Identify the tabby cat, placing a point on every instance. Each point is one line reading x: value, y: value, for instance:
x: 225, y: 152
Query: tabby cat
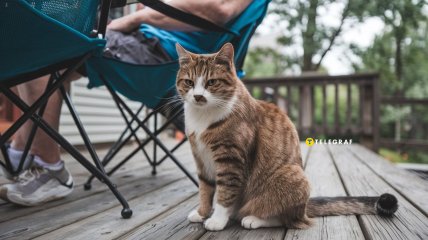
x: 247, y: 153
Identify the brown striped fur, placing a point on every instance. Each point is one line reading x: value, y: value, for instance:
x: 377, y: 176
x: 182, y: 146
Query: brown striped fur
x: 246, y: 150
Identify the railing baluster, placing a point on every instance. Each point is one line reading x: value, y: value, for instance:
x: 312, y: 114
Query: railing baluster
x: 348, y: 109
x: 275, y: 94
x: 288, y: 103
x: 324, y: 108
x: 336, y: 108
x: 362, y: 94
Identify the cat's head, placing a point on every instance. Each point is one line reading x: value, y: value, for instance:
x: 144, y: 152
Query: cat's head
x: 206, y: 80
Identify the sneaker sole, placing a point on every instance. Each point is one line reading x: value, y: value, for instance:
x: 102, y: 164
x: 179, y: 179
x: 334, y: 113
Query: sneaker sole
x: 59, y: 193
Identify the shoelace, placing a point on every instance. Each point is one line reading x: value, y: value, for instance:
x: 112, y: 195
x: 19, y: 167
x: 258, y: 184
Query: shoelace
x: 29, y: 174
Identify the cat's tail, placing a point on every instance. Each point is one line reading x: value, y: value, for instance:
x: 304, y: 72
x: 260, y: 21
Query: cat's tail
x: 384, y: 205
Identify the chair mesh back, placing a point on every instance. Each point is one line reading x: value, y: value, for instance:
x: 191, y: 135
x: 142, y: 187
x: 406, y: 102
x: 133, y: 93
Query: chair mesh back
x: 77, y: 14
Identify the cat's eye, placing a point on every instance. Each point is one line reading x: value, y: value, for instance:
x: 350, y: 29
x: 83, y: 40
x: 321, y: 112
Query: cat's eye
x: 211, y: 82
x: 188, y: 82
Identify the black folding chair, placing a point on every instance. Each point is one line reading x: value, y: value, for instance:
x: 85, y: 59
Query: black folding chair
x: 40, y: 37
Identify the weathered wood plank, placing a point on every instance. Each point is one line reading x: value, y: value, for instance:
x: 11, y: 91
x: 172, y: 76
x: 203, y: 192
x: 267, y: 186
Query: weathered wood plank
x: 305, y: 151
x: 359, y: 180
x: 409, y: 185
x: 122, y: 177
x: 172, y: 224
x: 326, y: 183
x: 236, y: 232
x: 41, y: 222
x: 109, y: 224
x: 11, y: 211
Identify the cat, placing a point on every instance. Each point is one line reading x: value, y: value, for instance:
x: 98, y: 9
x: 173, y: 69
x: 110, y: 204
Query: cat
x: 247, y: 153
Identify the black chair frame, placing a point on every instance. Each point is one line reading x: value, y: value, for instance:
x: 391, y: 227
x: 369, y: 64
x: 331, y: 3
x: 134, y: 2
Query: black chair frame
x: 130, y: 132
x: 35, y: 112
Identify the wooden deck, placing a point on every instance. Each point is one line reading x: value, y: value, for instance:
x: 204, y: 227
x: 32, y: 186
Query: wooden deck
x: 161, y: 203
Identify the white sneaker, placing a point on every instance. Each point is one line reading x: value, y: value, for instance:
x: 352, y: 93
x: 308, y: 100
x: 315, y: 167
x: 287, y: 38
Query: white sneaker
x: 38, y: 185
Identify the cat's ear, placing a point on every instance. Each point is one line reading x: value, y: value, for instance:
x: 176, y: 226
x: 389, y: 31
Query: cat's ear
x: 184, y: 56
x: 225, y: 55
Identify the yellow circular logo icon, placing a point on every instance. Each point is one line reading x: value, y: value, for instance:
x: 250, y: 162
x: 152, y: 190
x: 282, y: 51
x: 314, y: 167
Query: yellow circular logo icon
x: 310, y: 141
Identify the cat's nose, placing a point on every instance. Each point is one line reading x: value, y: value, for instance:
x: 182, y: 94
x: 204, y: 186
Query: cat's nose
x: 199, y: 98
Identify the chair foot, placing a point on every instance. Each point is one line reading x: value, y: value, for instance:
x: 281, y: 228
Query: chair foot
x: 87, y: 186
x: 126, y: 213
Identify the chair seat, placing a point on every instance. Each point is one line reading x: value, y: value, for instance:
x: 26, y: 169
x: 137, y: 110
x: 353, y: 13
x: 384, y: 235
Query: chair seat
x: 142, y: 83
x: 148, y: 84
x: 38, y: 33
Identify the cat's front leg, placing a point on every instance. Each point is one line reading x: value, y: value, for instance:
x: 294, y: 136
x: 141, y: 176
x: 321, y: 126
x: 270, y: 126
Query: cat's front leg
x: 206, y: 194
x: 229, y: 183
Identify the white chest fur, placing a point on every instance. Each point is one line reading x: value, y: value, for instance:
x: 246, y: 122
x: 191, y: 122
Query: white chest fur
x: 207, y: 159
x: 197, y: 120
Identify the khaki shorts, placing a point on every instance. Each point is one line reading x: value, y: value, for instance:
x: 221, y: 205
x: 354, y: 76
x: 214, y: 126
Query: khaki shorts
x: 135, y: 48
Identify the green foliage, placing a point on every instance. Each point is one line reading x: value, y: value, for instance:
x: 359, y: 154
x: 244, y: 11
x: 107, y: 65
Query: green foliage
x: 400, y: 55
x: 303, y: 27
x: 262, y: 62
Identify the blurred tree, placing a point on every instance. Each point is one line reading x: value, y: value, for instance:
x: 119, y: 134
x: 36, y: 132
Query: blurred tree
x: 305, y: 28
x: 401, y: 18
x: 255, y: 62
x: 404, y: 41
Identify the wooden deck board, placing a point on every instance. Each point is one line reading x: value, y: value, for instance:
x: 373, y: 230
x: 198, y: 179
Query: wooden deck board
x: 326, y: 183
x: 407, y: 223
x: 172, y: 224
x: 161, y: 203
x: 412, y: 187
x: 108, y: 224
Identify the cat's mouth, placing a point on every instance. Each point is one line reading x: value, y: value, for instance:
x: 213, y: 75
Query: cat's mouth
x: 200, y: 103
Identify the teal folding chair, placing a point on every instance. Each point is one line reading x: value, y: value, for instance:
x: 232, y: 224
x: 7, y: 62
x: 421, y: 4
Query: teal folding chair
x: 152, y: 84
x: 40, y: 37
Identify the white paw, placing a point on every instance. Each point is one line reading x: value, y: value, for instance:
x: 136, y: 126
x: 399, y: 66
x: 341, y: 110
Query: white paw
x: 195, y: 217
x: 252, y: 222
x: 215, y: 224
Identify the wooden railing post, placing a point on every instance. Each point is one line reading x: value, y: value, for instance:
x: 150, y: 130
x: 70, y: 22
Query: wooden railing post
x: 369, y: 104
x: 376, y: 113
x: 305, y: 110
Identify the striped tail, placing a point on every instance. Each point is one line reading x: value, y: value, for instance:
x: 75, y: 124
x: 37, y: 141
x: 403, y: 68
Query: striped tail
x: 384, y: 205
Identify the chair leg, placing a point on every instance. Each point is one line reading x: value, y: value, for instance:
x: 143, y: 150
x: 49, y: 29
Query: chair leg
x: 155, y: 126
x: 82, y: 131
x: 33, y: 129
x: 126, y: 211
x: 173, y: 150
x: 118, y: 146
x: 152, y: 136
x: 40, y: 101
x: 7, y: 164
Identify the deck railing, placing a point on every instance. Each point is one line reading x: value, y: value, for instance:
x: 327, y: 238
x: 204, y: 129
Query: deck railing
x: 406, y: 143
x: 326, y: 106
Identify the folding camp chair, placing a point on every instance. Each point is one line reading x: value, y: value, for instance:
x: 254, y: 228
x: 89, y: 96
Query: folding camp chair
x: 40, y: 37
x: 152, y: 84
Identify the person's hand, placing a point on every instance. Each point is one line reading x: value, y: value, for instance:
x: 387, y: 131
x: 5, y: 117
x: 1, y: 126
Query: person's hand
x: 124, y: 24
